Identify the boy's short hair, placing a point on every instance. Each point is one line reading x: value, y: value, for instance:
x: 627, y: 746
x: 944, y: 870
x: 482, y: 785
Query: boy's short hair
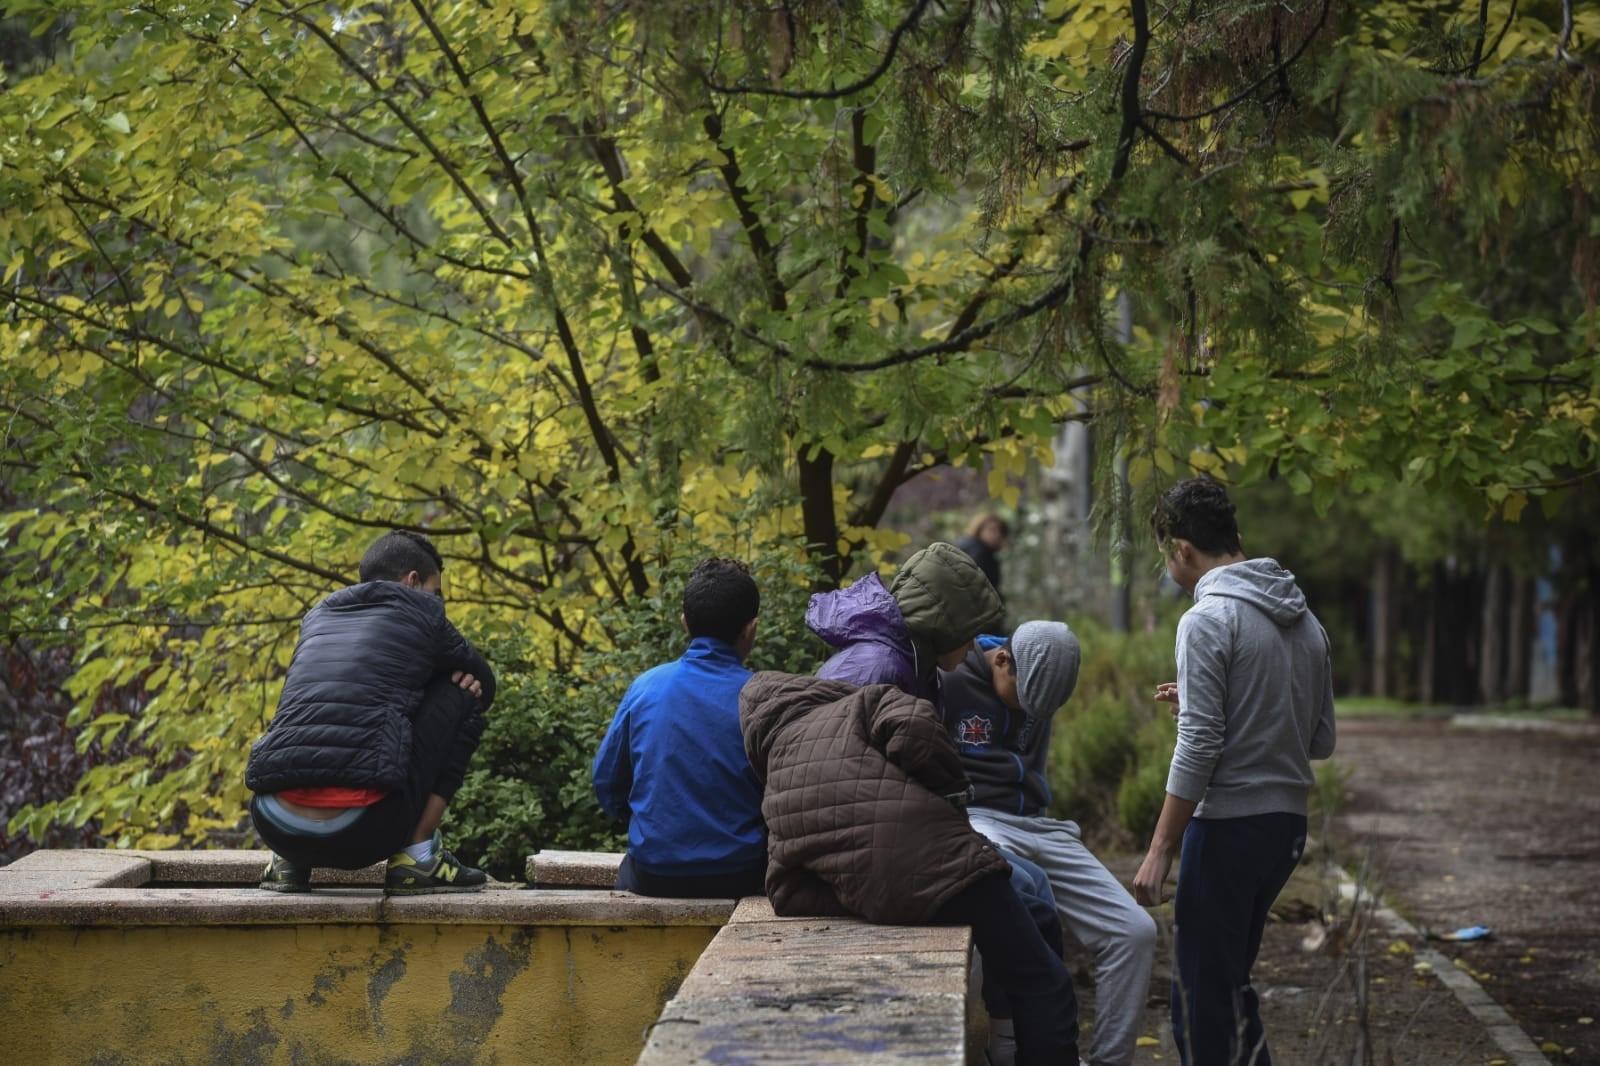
x: 394, y: 555
x: 1199, y: 511
x: 719, y: 599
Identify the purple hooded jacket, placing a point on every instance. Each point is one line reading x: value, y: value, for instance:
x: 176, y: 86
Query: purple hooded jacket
x: 875, y: 647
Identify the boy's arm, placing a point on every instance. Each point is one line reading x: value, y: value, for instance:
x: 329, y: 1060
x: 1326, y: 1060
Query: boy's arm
x: 613, y: 767
x: 1204, y: 644
x: 1326, y: 734
x: 456, y: 653
x: 909, y: 733
x: 1152, y: 875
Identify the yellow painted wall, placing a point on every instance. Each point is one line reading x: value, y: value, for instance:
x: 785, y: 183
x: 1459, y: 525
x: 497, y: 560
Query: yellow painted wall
x: 338, y: 993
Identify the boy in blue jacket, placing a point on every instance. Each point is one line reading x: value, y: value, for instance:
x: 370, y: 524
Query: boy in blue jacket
x: 672, y: 765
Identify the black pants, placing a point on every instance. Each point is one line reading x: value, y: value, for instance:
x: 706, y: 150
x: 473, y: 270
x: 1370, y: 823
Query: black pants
x: 1231, y: 871
x: 1026, y: 969
x: 442, y: 735
x: 734, y: 885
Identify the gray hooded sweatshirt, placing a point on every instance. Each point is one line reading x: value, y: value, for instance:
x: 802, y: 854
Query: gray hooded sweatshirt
x: 1255, y: 694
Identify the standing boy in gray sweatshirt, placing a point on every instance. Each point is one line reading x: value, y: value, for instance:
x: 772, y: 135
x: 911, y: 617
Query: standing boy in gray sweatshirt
x: 1254, y: 700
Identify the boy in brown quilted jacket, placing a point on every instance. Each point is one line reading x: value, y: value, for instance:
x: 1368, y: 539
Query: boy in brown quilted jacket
x: 858, y: 790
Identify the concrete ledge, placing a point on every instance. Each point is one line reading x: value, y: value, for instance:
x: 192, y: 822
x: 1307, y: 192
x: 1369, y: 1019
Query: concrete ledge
x: 818, y: 990
x: 74, y: 869
x: 34, y: 906
x: 239, y: 867
x: 573, y: 869
x: 758, y: 909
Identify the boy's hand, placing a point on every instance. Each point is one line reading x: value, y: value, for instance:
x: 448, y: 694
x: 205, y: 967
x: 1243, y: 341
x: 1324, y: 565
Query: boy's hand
x: 1151, y: 879
x: 467, y: 682
x: 1167, y: 692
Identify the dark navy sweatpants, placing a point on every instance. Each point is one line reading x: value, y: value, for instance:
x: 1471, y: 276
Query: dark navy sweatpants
x: 1231, y: 871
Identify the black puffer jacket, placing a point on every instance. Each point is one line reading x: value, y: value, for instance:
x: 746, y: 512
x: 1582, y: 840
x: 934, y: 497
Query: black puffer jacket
x: 344, y: 718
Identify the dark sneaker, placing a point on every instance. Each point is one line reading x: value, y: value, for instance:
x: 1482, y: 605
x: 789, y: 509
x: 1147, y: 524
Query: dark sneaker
x: 281, y: 875
x: 406, y: 876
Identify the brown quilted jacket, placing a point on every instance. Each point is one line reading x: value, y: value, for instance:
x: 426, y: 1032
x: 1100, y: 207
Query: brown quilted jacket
x: 855, y: 786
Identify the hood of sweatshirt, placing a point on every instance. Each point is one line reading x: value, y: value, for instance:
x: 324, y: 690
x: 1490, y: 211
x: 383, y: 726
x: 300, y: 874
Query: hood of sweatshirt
x: 863, y: 612
x: 945, y: 599
x: 1261, y: 583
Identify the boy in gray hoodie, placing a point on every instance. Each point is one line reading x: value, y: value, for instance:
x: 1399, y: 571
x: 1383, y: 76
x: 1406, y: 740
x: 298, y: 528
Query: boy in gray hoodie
x: 1254, y: 704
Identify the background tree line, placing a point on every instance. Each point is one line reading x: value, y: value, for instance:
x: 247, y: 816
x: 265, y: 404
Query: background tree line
x: 583, y: 292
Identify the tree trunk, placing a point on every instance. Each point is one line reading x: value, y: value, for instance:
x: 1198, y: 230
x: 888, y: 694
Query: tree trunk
x: 1591, y: 648
x: 1381, y: 606
x: 1492, y: 637
x: 1430, y: 638
x: 1519, y: 637
x: 1567, y: 649
x: 817, y: 513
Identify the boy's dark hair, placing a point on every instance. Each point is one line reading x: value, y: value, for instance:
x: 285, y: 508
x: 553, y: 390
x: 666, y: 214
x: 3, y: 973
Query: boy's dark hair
x: 719, y: 599
x: 394, y: 555
x: 1199, y: 511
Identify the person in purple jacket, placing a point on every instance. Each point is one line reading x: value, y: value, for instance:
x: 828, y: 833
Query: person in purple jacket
x: 926, y: 620
x: 901, y: 635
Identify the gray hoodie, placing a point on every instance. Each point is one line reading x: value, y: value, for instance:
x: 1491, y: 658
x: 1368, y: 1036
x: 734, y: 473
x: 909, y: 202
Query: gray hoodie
x: 1255, y: 694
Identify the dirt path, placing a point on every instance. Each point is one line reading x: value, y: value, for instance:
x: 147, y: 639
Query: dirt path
x: 1496, y: 827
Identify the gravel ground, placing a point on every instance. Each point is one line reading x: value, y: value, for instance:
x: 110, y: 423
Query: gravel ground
x: 1491, y: 825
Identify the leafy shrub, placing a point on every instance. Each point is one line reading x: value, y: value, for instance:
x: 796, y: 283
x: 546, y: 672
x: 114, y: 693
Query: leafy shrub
x: 1143, y: 788
x: 1112, y: 744
x: 1091, y: 749
x: 42, y: 757
x: 530, y: 787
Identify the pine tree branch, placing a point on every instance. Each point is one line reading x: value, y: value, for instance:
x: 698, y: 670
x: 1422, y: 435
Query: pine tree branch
x: 1250, y: 89
x: 866, y: 82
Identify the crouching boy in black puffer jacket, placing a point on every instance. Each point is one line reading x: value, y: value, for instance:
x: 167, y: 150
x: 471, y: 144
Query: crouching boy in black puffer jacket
x: 379, y: 716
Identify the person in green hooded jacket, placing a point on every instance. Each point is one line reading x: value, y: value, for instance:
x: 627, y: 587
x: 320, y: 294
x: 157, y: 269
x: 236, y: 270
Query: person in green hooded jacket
x: 925, y: 620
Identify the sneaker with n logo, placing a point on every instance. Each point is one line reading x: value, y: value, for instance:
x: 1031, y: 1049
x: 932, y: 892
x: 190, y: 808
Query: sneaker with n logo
x: 281, y: 875
x: 405, y: 876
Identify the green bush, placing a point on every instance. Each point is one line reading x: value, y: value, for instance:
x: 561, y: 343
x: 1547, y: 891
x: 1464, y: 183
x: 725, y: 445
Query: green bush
x: 1143, y: 788
x: 1090, y: 751
x: 1112, y: 743
x: 529, y: 787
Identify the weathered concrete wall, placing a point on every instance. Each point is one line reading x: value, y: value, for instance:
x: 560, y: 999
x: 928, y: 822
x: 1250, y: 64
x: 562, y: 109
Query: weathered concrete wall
x: 813, y: 991
x: 338, y: 993
x: 98, y: 966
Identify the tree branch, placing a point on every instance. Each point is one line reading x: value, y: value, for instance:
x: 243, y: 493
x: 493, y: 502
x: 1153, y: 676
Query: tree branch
x: 766, y: 256
x: 895, y: 37
x: 1240, y: 97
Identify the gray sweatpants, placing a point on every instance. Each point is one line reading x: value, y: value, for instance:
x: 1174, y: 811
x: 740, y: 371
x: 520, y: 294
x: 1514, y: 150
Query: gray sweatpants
x: 1098, y: 913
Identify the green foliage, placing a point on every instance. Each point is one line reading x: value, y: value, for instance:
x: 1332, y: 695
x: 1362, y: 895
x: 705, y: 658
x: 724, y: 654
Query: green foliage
x: 1112, y: 743
x: 567, y: 286
x: 1327, y: 797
